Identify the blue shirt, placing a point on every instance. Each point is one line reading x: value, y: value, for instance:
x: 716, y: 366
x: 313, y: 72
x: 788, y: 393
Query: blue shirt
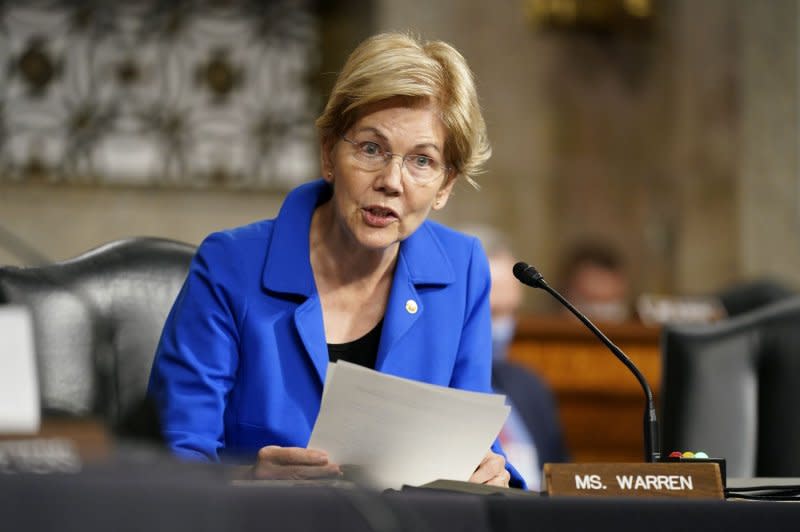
x: 242, y: 359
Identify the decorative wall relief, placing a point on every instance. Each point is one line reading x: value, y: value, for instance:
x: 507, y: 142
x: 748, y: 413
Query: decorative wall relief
x: 178, y: 93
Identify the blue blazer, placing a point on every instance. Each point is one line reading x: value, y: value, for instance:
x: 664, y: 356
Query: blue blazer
x: 242, y: 358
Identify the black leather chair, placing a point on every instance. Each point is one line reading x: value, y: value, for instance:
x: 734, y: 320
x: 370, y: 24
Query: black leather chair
x: 97, y: 319
x: 745, y: 296
x: 732, y: 389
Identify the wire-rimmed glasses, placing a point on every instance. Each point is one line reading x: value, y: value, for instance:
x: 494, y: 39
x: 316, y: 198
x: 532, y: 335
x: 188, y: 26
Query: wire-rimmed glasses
x: 371, y: 157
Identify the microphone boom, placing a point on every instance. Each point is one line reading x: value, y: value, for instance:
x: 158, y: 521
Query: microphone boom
x: 528, y: 275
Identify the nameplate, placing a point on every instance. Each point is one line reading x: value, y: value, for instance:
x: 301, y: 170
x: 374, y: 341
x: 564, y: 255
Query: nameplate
x: 682, y: 480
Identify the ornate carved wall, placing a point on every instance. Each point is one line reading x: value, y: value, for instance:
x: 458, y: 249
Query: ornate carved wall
x: 158, y: 92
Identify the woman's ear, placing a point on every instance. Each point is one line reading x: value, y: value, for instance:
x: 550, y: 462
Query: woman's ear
x: 443, y: 194
x: 326, y: 159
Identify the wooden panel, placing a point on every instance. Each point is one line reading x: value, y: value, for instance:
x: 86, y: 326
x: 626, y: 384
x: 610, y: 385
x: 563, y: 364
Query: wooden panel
x: 90, y: 437
x: 601, y: 404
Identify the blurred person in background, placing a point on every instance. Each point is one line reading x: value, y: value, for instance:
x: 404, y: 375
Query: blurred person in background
x: 595, y: 280
x: 532, y: 434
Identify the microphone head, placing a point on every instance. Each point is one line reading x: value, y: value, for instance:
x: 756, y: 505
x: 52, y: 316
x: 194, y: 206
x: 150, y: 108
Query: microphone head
x: 519, y: 270
x: 528, y: 275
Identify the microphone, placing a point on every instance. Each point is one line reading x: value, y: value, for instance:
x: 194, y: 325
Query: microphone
x: 530, y: 276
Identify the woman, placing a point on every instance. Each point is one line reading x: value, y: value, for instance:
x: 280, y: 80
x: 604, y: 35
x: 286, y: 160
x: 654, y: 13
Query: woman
x: 350, y: 269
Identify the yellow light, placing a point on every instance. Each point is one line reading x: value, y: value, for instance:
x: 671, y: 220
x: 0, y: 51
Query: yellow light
x: 639, y: 8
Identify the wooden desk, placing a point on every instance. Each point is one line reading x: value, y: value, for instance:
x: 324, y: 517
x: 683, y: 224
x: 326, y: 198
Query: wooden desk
x: 601, y: 404
x: 90, y: 436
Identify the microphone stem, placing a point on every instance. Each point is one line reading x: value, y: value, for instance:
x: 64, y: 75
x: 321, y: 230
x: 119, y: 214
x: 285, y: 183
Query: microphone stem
x: 651, y: 445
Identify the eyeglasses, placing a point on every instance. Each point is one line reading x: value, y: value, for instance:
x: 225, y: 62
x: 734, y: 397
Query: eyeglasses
x: 371, y: 157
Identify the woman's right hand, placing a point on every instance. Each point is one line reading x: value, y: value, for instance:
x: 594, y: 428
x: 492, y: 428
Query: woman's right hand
x: 293, y: 463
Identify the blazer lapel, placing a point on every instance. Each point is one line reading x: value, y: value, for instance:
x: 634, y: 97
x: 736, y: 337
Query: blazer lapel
x: 287, y: 273
x: 310, y: 327
x: 287, y: 269
x: 421, y: 261
x: 402, y: 310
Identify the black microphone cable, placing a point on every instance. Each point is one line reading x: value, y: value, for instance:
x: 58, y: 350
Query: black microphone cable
x: 528, y: 275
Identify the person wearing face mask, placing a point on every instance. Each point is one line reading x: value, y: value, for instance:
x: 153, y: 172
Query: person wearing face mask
x: 596, y: 282
x: 532, y: 433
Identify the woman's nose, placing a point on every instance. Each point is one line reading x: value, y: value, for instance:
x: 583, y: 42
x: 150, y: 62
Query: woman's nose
x: 391, y: 178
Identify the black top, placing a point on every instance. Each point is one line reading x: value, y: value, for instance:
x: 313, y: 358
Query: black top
x: 362, y: 351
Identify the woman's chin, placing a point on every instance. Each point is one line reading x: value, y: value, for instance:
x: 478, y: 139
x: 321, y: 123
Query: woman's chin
x: 378, y: 239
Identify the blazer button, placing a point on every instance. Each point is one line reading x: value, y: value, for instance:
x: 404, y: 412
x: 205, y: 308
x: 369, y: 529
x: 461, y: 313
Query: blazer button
x: 411, y: 306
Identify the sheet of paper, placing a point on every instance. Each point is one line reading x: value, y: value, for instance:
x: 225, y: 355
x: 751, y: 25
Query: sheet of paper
x: 19, y: 386
x: 392, y: 431
x: 467, y: 395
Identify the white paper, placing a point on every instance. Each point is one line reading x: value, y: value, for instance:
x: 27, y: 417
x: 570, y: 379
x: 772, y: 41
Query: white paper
x: 19, y: 387
x: 467, y: 395
x: 396, y: 431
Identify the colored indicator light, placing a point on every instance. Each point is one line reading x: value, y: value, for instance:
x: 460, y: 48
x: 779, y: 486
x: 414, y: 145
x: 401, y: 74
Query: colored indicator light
x: 675, y: 454
x: 700, y: 454
x: 688, y: 454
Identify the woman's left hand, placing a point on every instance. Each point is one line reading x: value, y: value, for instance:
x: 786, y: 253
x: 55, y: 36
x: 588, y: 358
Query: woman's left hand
x: 492, y: 471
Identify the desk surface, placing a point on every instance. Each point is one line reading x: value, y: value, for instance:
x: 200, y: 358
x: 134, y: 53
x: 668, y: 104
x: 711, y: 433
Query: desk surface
x: 168, y: 496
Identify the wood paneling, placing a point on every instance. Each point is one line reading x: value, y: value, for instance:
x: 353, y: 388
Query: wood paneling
x: 89, y: 436
x: 601, y: 404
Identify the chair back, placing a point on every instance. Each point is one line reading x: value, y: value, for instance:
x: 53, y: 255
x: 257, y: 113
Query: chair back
x: 97, y: 320
x: 732, y: 389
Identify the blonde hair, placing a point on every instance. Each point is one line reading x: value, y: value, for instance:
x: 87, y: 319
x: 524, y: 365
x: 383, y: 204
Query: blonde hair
x: 391, y: 65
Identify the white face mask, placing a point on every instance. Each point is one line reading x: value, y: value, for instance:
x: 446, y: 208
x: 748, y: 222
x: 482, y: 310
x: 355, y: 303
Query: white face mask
x: 611, y: 311
x: 502, y: 333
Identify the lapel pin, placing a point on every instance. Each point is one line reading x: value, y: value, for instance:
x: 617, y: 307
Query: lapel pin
x: 411, y: 306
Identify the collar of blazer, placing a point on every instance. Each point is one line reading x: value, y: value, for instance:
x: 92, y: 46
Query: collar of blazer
x: 287, y: 268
